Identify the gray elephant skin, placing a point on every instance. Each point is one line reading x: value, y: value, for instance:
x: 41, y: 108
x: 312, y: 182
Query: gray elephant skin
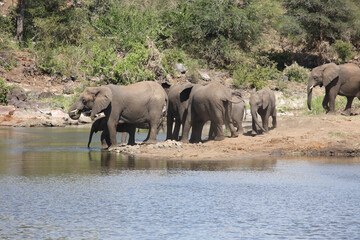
x: 139, y: 103
x: 343, y: 80
x: 238, y: 114
x: 262, y: 102
x: 100, y: 124
x: 177, y: 109
x: 211, y: 102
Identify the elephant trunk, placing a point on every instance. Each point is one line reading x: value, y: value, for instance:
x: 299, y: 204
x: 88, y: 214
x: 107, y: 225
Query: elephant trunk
x: 90, y: 136
x: 311, y: 85
x: 74, y: 113
x: 254, y: 117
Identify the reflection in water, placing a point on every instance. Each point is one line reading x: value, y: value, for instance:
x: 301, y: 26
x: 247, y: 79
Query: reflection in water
x: 53, y: 187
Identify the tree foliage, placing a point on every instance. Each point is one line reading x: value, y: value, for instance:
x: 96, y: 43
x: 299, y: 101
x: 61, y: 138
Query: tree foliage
x: 133, y: 40
x: 314, y: 21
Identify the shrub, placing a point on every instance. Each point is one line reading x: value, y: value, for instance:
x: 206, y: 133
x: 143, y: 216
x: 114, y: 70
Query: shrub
x: 296, y: 73
x: 131, y: 68
x: 251, y: 74
x: 344, y: 50
x: 4, y: 90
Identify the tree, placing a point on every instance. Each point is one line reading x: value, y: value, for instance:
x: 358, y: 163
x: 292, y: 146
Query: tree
x: 20, y: 20
x: 314, y: 21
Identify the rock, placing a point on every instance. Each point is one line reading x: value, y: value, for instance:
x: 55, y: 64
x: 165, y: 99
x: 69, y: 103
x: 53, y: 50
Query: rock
x: 84, y: 119
x: 69, y: 88
x: 16, y: 96
x: 205, y: 76
x: 45, y: 95
x: 180, y: 68
x: 6, y: 110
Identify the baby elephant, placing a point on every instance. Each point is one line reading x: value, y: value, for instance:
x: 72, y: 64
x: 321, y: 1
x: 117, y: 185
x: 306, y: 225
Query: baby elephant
x: 263, y: 103
x: 238, y: 111
x: 101, y: 125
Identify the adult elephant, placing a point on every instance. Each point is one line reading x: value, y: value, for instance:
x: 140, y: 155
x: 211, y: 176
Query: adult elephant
x: 177, y: 109
x: 262, y: 102
x: 343, y: 80
x: 211, y: 102
x: 139, y: 103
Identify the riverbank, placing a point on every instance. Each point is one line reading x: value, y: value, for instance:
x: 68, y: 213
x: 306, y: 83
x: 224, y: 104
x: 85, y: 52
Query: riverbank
x: 320, y: 135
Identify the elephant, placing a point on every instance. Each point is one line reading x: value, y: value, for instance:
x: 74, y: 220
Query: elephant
x: 262, y: 102
x: 238, y: 113
x: 100, y: 124
x: 343, y: 80
x: 138, y: 103
x: 207, y: 102
x: 177, y: 109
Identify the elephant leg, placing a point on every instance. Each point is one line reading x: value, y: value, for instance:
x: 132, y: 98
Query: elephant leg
x: 254, y: 127
x: 169, y: 127
x: 265, y: 121
x: 239, y: 127
x: 196, y: 131
x: 151, y: 139
x: 211, y: 132
x: 186, y: 130
x: 332, y: 96
x: 112, y: 132
x: 347, y: 110
x: 274, y: 123
x: 219, y: 133
x: 175, y: 135
x: 105, y: 140
x: 123, y: 137
x: 325, y: 102
x: 132, y: 131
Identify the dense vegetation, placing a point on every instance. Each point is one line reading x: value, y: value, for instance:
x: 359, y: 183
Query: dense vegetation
x: 125, y: 41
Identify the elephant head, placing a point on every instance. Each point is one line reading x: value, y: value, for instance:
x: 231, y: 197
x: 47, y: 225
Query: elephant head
x: 91, y: 102
x: 258, y: 100
x: 321, y: 76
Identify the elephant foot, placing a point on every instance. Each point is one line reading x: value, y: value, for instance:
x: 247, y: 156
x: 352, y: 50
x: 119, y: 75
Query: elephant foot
x: 150, y: 141
x: 219, y: 138
x: 346, y: 112
x: 184, y: 140
x: 235, y: 135
x: 111, y: 148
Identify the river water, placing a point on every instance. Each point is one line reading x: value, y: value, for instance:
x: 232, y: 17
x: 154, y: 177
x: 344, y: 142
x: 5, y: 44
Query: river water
x: 53, y: 187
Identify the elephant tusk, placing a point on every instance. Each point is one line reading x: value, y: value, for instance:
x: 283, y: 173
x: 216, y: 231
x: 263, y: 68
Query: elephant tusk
x: 74, y: 111
x: 311, y: 87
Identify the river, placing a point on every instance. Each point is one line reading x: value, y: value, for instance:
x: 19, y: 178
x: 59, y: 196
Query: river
x: 53, y: 187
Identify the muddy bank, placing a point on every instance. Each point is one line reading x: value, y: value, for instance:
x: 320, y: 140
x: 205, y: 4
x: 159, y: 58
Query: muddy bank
x: 321, y: 135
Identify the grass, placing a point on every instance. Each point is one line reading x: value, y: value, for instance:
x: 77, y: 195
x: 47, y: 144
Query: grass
x: 340, y: 103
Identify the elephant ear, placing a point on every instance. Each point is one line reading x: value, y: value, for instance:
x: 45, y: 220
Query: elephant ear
x: 330, y: 73
x: 103, y: 98
x: 185, y: 93
x: 265, y: 99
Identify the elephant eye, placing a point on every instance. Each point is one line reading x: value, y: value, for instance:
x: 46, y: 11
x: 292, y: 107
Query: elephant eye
x: 83, y: 101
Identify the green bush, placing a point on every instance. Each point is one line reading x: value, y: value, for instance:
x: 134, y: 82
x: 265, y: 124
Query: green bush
x: 253, y: 75
x: 132, y: 68
x: 296, y: 73
x: 4, y: 90
x: 344, y: 50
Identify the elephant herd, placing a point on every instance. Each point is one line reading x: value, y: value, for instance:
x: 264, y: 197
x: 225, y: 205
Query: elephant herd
x: 190, y: 106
